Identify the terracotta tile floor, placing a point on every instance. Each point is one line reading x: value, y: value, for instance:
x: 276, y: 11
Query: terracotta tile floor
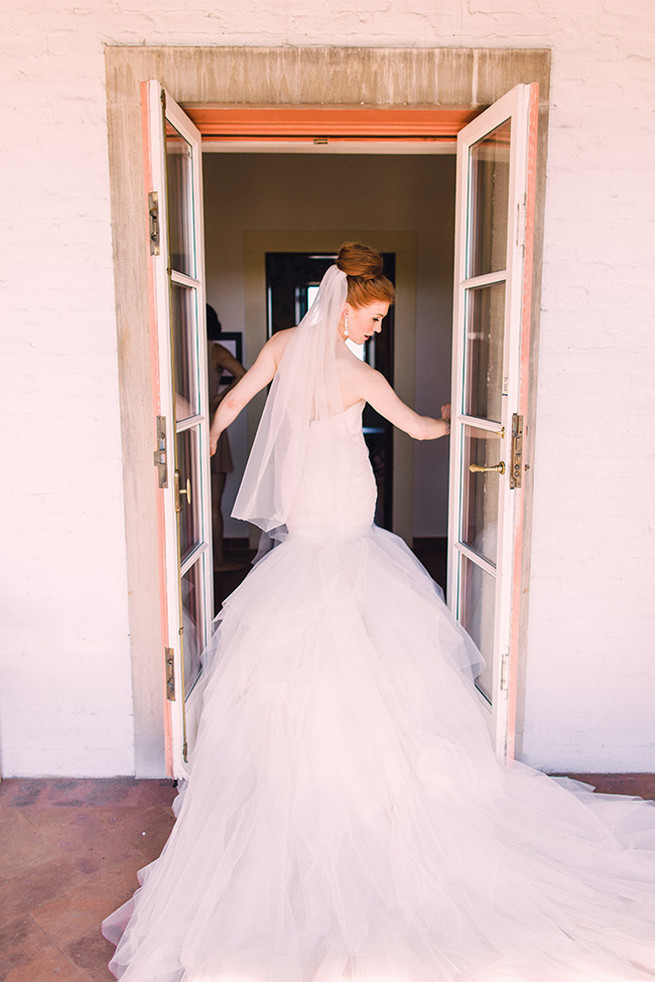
x: 70, y: 851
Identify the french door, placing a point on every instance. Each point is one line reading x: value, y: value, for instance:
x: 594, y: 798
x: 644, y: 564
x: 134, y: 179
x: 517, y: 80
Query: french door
x: 493, y: 253
x: 177, y: 282
x: 493, y: 269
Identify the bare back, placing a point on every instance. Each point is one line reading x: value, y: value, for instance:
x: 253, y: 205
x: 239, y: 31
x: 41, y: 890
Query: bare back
x: 352, y: 372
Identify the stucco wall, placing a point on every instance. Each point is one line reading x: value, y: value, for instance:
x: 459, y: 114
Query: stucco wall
x: 66, y: 703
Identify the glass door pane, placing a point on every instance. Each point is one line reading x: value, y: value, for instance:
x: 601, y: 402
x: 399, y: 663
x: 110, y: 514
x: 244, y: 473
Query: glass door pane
x: 481, y: 493
x: 488, y: 202
x: 184, y: 329
x: 179, y: 187
x: 477, y: 616
x: 189, y: 492
x: 485, y: 337
x: 193, y: 622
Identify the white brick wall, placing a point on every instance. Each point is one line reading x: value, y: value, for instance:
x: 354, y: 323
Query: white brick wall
x: 66, y: 683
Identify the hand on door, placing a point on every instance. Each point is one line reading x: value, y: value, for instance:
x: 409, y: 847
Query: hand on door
x: 445, y: 414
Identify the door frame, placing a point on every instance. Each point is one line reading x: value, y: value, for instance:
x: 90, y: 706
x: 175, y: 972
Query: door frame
x: 518, y: 107
x: 164, y: 275
x: 444, y: 77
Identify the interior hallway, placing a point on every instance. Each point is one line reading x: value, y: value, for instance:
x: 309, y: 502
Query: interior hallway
x: 71, y: 851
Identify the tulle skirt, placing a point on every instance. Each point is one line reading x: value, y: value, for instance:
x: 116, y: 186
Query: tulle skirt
x: 346, y: 818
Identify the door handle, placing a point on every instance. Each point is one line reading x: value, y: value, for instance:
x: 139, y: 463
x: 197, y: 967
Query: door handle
x: 479, y: 469
x: 180, y: 491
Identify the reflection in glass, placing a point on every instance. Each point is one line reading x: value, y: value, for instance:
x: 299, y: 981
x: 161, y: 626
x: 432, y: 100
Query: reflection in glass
x: 485, y: 332
x: 489, y: 164
x: 192, y: 623
x: 481, y: 493
x: 477, y: 605
x: 179, y: 189
x: 185, y: 354
x: 189, y: 514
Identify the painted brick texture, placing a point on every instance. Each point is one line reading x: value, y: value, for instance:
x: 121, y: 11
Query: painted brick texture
x: 66, y: 703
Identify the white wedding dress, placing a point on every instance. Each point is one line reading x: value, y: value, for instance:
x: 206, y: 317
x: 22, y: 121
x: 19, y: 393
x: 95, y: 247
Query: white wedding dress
x: 346, y: 818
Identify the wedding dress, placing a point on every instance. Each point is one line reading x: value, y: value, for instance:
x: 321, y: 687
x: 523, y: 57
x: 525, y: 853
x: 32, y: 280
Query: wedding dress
x: 346, y: 817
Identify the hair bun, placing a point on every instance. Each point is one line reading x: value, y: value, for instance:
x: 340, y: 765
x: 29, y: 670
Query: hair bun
x: 356, y: 259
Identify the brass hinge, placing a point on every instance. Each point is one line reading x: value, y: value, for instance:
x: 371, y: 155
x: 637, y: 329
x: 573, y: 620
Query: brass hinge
x: 516, y: 467
x: 504, y: 670
x: 153, y: 222
x: 159, y: 455
x: 169, y: 657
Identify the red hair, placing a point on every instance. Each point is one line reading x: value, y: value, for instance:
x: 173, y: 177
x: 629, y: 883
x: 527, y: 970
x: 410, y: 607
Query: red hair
x: 366, y: 283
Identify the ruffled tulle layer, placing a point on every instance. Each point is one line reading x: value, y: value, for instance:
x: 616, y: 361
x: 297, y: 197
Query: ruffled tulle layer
x: 346, y: 817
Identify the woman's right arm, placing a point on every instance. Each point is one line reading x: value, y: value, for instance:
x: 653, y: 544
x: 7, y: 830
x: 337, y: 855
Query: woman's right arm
x: 223, y: 361
x: 258, y: 376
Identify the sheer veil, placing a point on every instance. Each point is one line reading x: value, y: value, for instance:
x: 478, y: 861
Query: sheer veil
x: 305, y: 390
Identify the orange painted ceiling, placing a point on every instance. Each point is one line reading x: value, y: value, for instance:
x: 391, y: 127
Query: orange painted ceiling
x: 331, y: 123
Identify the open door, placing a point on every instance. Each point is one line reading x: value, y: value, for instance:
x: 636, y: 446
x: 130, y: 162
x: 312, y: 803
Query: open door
x: 496, y: 156
x: 179, y: 354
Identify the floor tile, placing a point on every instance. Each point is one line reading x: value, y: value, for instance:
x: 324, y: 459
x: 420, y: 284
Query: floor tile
x: 49, y: 965
x: 16, y: 792
x: 37, y: 886
x: 90, y: 836
x: 641, y: 785
x: 80, y: 910
x: 22, y: 844
x: 28, y: 954
x: 145, y: 830
x: 91, y: 955
x: 82, y: 793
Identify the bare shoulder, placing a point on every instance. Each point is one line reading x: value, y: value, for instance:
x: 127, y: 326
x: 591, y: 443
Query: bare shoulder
x: 373, y: 383
x: 277, y: 344
x: 359, y: 371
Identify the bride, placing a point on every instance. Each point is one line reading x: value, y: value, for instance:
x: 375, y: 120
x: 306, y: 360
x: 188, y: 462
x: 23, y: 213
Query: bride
x: 346, y: 818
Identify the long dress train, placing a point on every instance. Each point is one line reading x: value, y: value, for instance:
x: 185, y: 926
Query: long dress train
x: 346, y: 818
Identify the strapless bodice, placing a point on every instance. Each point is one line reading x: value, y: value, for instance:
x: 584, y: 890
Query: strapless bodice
x: 336, y: 493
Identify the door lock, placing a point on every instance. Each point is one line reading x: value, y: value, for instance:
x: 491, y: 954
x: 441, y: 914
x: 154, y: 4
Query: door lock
x: 516, y: 470
x: 169, y: 660
x: 159, y: 456
x: 153, y: 222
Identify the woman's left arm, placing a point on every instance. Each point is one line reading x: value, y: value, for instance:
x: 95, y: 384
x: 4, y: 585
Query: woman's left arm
x: 380, y: 395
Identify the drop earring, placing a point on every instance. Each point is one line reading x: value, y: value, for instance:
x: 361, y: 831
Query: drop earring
x: 345, y: 327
